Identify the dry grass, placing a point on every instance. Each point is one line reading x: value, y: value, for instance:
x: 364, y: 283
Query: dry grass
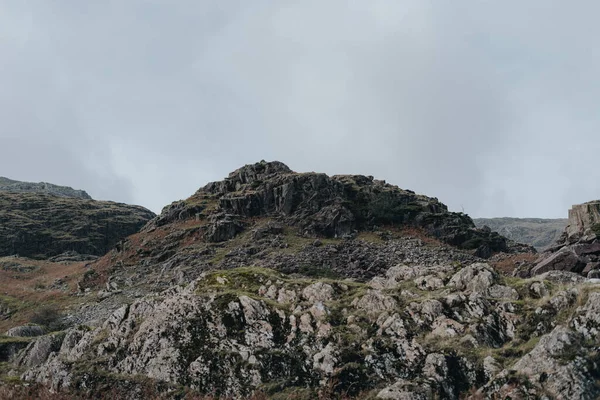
x: 507, y: 263
x: 27, y: 291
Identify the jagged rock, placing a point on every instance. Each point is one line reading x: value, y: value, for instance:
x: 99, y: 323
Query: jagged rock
x: 588, y: 321
x: 318, y: 292
x: 213, y: 336
x: 26, y: 331
x: 563, y: 260
x: 38, y: 225
x: 38, y: 351
x: 9, y: 185
x: 538, y: 289
x: 446, y: 327
x: 223, y: 227
x: 555, y: 364
x: 503, y: 292
x: 429, y: 282
x: 578, y: 249
x: 584, y: 220
x: 337, y: 206
x: 563, y: 277
x: 476, y: 278
x: 491, y: 367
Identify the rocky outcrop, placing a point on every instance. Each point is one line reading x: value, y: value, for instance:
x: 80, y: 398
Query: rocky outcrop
x: 230, y: 333
x: 26, y: 331
x: 578, y: 249
x: 584, y: 222
x: 9, y: 185
x: 318, y: 205
x: 38, y: 225
x: 285, y: 284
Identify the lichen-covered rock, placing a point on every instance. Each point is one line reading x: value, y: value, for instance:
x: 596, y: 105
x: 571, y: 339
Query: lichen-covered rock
x: 230, y: 333
x: 475, y: 278
x: 39, y: 225
x: 556, y: 364
x: 38, y: 351
x: 26, y: 331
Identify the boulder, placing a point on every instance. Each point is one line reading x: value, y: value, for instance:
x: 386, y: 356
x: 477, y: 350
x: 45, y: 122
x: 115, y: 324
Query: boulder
x: 26, y: 331
x: 584, y: 222
x: 563, y: 260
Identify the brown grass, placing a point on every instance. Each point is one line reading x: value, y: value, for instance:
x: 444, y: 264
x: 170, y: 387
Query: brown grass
x: 27, y: 291
x: 507, y: 263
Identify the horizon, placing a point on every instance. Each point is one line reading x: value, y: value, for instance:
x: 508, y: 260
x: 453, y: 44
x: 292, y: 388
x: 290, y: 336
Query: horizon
x: 158, y: 211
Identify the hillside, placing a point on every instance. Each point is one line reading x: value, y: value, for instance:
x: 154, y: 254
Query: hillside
x: 278, y: 284
x: 9, y: 185
x: 537, y: 232
x: 40, y: 225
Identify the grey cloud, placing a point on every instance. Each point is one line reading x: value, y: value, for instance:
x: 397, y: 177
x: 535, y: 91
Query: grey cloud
x: 492, y: 107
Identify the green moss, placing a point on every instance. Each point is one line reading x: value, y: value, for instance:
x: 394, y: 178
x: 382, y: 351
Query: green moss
x: 243, y: 279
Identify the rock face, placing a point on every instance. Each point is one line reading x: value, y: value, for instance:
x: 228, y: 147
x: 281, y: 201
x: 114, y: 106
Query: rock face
x: 39, y: 225
x: 584, y: 222
x: 9, y: 185
x: 536, y: 232
x: 322, y: 206
x: 578, y: 249
x: 230, y: 333
x: 285, y: 285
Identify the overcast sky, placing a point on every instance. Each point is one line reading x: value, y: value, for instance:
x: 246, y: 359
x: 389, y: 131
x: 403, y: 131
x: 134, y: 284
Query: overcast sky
x: 491, y: 106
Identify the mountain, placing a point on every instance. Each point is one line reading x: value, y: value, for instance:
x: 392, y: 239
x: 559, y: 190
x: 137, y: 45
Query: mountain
x: 9, y: 185
x: 44, y: 220
x: 537, y: 232
x: 278, y: 284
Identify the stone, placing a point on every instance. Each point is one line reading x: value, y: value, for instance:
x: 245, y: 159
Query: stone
x: 491, y: 367
x: 538, y: 289
x: 475, y: 278
x: 26, y: 331
x: 594, y: 274
x: 583, y: 220
x: 563, y: 260
x: 38, y: 351
x: 503, y: 292
x: 318, y: 292
x: 429, y: 282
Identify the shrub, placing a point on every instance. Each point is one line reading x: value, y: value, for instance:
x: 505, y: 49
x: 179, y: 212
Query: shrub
x: 48, y: 316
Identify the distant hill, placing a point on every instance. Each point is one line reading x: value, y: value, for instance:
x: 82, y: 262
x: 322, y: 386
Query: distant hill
x: 537, y: 232
x: 42, y: 220
x: 9, y: 185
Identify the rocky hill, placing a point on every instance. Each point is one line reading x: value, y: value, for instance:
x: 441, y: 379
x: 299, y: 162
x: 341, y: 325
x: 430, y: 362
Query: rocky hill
x: 9, y: 185
x: 537, y: 232
x: 578, y: 248
x: 277, y: 284
x: 41, y: 225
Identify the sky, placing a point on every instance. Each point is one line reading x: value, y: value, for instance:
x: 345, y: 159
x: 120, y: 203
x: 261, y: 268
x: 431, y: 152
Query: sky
x: 491, y: 106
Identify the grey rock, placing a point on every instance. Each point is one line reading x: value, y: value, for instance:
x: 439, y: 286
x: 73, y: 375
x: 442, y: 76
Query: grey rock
x: 26, y: 331
x: 9, y: 185
x: 38, y: 351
